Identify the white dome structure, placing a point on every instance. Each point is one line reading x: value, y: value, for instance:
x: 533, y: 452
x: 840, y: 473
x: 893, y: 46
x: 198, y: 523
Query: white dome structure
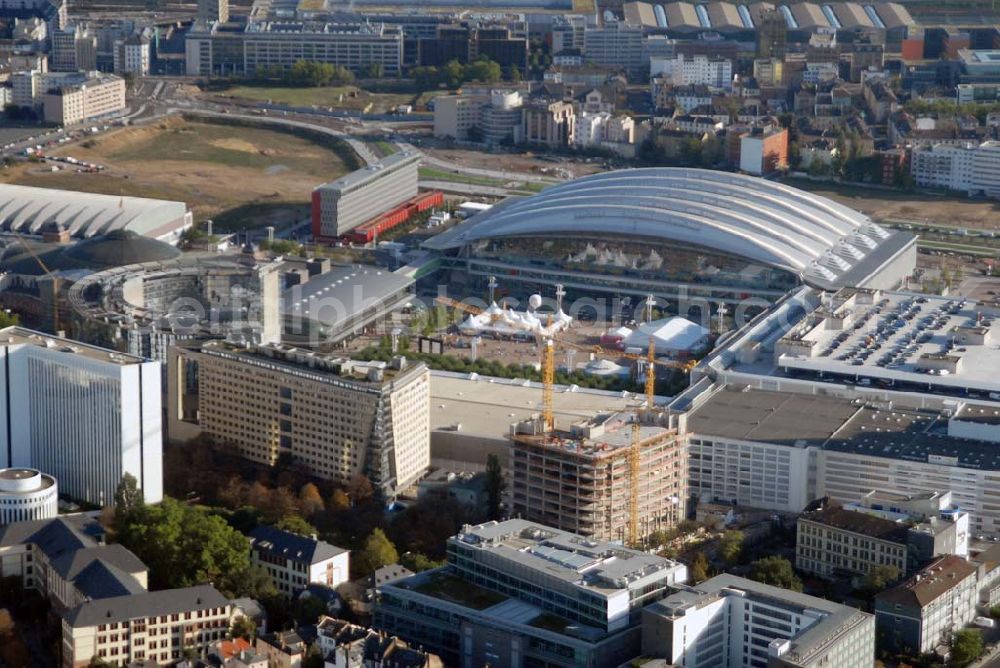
x: 27, y: 494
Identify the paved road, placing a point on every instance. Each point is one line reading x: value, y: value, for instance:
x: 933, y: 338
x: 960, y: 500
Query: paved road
x: 465, y: 188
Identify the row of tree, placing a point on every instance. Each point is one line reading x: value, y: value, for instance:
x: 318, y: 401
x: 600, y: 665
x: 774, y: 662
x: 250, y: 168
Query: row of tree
x: 453, y: 74
x: 305, y: 74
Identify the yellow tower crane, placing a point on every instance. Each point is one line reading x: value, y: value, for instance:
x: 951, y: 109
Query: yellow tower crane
x: 634, y: 452
x: 548, y: 384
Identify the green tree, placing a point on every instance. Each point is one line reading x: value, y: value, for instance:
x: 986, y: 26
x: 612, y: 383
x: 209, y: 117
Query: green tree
x: 128, y: 498
x: 186, y: 545
x: 699, y: 568
x: 730, y: 546
x: 417, y: 562
x: 880, y: 577
x: 425, y: 78
x: 966, y: 647
x: 295, y: 524
x: 243, y: 627
x: 8, y: 319
x: 373, y: 71
x: 377, y: 552
x: 494, y: 486
x: 483, y: 69
x: 453, y: 74
x: 777, y: 571
x: 258, y: 584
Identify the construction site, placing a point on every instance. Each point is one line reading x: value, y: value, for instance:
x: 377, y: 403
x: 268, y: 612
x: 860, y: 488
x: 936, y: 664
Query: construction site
x: 616, y: 477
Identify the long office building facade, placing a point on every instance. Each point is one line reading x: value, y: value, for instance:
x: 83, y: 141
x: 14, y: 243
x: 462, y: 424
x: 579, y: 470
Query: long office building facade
x: 82, y: 414
x: 214, y: 49
x: 779, y: 450
x: 340, y: 206
x: 336, y: 417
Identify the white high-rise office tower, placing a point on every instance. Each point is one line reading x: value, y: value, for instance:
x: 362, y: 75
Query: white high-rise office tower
x: 83, y: 414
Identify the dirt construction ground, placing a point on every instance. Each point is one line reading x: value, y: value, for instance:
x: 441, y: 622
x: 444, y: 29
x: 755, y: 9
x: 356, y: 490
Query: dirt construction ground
x: 905, y: 206
x: 258, y: 176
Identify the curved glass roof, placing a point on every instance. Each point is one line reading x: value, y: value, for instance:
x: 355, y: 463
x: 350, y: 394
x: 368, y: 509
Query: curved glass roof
x: 739, y: 215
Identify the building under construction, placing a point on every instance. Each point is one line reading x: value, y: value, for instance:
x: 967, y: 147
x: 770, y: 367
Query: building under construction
x: 618, y: 476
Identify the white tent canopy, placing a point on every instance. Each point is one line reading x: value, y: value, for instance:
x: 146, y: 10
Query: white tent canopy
x: 675, y: 334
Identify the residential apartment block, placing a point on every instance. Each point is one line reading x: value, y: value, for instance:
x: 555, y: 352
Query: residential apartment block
x: 579, y: 480
x: 733, y: 621
x: 334, y: 416
x: 714, y: 72
x: 516, y: 593
x: 763, y: 150
x: 74, y: 48
x: 346, y: 645
x: 294, y: 561
x: 340, y: 206
x: 602, y: 128
x: 131, y: 55
x: 853, y: 540
x: 551, y: 124
x: 82, y: 414
x: 970, y: 168
x: 83, y: 98
x: 921, y: 614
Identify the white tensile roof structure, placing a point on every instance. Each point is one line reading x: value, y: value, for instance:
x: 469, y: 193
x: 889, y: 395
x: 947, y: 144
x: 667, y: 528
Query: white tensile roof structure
x: 742, y: 216
x: 24, y: 209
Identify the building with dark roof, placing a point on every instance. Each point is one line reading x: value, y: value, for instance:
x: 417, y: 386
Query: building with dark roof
x: 100, y: 592
x: 295, y: 561
x: 921, y: 614
x: 156, y: 626
x: 66, y: 559
x: 837, y: 541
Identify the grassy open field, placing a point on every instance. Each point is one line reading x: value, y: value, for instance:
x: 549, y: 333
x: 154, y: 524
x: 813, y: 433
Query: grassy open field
x: 338, y: 97
x: 241, y: 176
x: 907, y: 206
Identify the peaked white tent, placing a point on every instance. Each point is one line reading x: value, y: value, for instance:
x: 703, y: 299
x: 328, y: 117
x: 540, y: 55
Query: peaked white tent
x: 671, y: 335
